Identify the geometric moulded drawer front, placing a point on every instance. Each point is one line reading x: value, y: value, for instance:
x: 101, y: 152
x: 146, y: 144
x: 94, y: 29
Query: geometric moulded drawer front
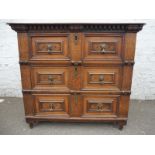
x: 100, y: 105
x: 50, y: 78
x: 101, y: 78
x: 51, y: 104
x: 102, y: 46
x: 44, y: 47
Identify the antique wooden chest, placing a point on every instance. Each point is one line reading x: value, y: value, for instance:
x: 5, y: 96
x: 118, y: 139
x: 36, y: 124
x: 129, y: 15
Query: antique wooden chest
x: 76, y: 72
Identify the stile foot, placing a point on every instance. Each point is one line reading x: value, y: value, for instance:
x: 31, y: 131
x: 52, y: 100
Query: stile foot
x: 121, y: 124
x: 120, y: 127
x: 31, y: 125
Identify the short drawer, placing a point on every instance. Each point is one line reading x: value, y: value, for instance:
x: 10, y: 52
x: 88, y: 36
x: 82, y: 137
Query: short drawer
x: 100, y: 105
x: 50, y: 47
x: 56, y: 78
x: 101, y: 78
x: 54, y: 104
x: 102, y: 47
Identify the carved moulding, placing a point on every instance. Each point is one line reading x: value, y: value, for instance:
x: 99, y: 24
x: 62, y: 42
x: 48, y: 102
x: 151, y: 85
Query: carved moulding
x: 103, y: 27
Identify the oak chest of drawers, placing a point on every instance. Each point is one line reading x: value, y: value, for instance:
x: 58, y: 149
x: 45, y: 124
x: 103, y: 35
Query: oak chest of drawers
x: 76, y: 72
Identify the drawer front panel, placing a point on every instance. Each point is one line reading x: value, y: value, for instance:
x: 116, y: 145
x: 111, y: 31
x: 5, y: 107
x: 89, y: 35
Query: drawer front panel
x: 102, y: 78
x: 50, y: 77
x: 100, y: 105
x: 50, y: 47
x: 52, y: 104
x: 102, y: 47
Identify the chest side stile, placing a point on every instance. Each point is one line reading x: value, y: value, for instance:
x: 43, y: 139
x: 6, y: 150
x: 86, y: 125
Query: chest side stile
x: 25, y: 68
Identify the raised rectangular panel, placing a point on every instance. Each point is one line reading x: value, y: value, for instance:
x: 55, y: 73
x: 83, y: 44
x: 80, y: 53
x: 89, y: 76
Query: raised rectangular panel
x: 50, y: 78
x: 102, y: 47
x: 50, y: 47
x: 52, y: 104
x: 100, y: 105
x: 101, y: 78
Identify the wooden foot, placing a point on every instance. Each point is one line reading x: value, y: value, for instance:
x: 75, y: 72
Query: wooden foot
x: 120, y: 127
x: 31, y: 125
x: 125, y: 122
x: 121, y: 124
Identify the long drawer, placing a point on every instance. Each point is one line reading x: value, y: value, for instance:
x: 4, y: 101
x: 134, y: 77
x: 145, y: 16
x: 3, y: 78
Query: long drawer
x: 84, y: 78
x: 62, y: 46
x: 84, y: 105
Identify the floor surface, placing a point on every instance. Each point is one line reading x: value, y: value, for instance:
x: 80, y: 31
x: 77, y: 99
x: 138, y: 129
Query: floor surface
x: 141, y: 121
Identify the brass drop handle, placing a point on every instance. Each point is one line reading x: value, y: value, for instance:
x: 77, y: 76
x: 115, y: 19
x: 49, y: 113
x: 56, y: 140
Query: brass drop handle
x: 102, y: 48
x: 101, y: 79
x: 99, y: 107
x: 50, y: 78
x: 49, y: 49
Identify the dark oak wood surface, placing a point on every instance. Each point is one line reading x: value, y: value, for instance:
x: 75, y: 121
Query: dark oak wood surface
x: 76, y: 72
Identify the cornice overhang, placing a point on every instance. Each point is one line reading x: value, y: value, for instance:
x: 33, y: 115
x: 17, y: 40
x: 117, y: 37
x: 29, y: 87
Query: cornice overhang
x: 83, y: 27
